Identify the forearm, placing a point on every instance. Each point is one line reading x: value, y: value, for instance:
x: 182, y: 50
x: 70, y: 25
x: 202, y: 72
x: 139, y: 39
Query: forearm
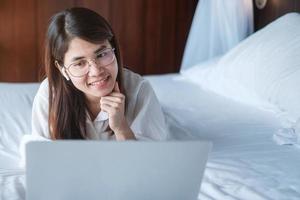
x: 124, y: 133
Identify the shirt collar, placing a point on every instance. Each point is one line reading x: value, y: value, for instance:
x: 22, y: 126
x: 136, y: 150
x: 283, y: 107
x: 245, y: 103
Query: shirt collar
x: 102, y: 116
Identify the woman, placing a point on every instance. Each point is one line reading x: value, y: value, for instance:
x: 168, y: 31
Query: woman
x: 87, y: 93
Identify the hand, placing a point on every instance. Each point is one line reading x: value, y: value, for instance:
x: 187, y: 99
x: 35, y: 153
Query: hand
x: 114, y: 105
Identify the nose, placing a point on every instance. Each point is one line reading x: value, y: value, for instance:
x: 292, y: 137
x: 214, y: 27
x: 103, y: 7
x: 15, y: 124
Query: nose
x: 94, y: 69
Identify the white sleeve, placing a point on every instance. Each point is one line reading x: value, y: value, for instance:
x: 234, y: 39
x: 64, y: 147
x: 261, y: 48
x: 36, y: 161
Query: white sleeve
x: 39, y: 119
x: 149, y: 122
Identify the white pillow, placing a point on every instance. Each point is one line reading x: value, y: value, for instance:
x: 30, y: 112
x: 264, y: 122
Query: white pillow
x: 263, y: 70
x: 15, y: 113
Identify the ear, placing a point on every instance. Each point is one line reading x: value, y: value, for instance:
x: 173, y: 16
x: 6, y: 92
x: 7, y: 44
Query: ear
x: 62, y: 70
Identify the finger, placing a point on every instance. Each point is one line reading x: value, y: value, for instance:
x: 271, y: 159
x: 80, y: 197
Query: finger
x: 110, y: 103
x: 105, y: 107
x: 112, y: 98
x: 111, y: 111
x: 116, y: 88
x: 117, y: 94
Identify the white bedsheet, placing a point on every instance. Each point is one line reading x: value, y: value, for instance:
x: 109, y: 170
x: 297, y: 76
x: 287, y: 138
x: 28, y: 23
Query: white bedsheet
x: 245, y: 162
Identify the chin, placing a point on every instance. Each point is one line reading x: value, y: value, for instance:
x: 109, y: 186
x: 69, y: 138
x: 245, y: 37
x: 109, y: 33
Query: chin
x: 101, y: 92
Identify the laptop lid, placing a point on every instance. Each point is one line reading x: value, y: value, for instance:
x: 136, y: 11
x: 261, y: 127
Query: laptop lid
x: 111, y: 170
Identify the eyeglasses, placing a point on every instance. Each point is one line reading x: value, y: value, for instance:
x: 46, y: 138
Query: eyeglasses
x: 82, y: 67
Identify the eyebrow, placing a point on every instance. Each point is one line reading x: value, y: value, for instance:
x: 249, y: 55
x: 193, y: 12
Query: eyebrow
x: 95, y: 52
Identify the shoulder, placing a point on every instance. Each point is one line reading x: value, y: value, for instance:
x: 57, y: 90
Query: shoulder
x: 43, y: 92
x: 131, y: 77
x: 134, y: 82
x: 44, y: 84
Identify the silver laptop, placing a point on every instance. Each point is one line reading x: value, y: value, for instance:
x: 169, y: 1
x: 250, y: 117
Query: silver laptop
x: 110, y: 170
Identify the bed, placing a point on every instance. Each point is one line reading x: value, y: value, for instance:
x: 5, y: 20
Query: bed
x: 246, y: 102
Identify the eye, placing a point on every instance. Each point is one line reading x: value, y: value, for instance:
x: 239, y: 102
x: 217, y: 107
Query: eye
x: 80, y: 63
x: 102, y: 54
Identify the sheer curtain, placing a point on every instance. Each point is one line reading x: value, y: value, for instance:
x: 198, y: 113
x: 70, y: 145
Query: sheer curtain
x: 217, y: 26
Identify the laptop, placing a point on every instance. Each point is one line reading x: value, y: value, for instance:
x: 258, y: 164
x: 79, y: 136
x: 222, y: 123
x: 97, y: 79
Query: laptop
x: 110, y: 170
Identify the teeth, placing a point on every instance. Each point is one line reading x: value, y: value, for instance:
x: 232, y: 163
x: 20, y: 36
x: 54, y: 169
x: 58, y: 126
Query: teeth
x: 99, y: 82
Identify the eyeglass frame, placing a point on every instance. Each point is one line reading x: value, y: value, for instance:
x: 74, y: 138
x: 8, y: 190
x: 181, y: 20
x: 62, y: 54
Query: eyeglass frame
x: 64, y: 68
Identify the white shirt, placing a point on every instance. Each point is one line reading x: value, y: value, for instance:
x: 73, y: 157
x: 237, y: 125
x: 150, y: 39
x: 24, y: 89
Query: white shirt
x: 144, y: 114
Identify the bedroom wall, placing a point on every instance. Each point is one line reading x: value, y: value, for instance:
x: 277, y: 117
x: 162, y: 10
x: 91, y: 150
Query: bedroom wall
x: 273, y: 10
x: 152, y: 33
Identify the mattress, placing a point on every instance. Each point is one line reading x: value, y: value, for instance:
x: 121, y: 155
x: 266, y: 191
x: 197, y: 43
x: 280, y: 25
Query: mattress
x: 245, y: 162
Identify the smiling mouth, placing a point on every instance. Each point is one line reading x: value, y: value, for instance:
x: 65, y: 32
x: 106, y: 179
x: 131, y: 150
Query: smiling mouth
x: 99, y: 82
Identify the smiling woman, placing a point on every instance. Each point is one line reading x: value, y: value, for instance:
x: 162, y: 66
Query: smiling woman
x: 87, y: 93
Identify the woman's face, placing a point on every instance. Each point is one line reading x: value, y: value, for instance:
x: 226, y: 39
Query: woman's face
x: 99, y: 80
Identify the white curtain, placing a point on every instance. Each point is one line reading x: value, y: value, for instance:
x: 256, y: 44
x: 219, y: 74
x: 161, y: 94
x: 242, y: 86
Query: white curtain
x: 218, y: 25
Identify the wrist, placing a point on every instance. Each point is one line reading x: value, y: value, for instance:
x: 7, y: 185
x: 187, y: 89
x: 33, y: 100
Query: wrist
x: 124, y: 132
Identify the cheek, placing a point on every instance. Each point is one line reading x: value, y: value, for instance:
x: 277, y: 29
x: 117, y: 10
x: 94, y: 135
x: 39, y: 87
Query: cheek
x: 79, y: 83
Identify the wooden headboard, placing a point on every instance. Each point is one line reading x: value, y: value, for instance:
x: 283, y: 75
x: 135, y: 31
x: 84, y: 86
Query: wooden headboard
x: 152, y: 33
x: 273, y: 10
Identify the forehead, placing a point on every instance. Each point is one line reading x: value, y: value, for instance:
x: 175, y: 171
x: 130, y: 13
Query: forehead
x: 82, y: 48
